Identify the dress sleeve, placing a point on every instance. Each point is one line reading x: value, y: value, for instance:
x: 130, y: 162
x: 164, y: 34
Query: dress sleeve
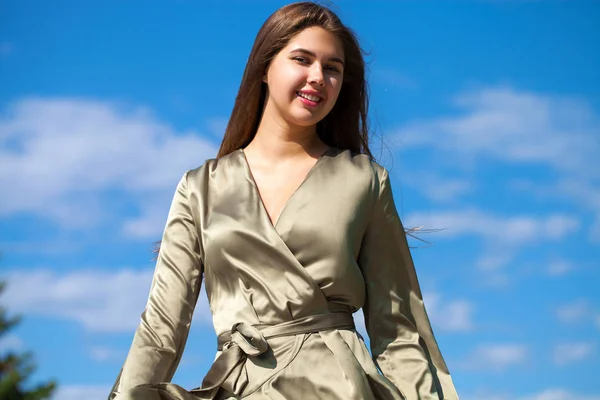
x: 402, y: 341
x: 160, y: 338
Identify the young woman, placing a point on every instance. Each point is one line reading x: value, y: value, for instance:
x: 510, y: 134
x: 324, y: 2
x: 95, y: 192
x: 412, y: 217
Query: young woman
x: 293, y: 227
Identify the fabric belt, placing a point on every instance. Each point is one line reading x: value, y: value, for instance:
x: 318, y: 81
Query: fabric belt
x: 251, y: 340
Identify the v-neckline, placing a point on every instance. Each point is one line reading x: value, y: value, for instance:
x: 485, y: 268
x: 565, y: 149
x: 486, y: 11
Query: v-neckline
x: 257, y: 190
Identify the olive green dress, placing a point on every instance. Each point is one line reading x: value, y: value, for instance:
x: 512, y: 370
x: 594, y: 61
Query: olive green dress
x: 282, y: 295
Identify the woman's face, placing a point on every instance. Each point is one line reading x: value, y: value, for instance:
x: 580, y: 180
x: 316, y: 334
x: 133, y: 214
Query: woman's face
x: 305, y: 78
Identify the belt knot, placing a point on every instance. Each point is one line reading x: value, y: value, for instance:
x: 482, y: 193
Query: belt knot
x: 250, y: 340
x: 245, y: 340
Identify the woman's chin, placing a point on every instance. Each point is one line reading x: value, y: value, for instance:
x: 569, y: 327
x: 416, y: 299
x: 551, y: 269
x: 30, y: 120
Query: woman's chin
x: 304, y: 123
x: 305, y: 118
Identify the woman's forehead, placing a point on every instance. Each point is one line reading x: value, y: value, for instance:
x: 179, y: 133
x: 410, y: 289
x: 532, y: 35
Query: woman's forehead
x: 318, y: 41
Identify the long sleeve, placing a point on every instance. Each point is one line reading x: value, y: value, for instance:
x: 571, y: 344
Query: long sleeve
x: 162, y: 333
x: 402, y: 341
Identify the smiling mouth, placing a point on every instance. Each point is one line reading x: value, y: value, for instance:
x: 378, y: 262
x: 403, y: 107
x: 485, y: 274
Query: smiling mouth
x: 309, y: 97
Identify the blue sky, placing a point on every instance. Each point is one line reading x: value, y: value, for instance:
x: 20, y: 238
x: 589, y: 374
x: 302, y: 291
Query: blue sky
x: 489, y: 113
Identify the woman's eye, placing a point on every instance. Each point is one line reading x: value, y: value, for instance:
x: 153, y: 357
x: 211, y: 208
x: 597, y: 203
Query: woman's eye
x: 333, y: 69
x: 301, y: 60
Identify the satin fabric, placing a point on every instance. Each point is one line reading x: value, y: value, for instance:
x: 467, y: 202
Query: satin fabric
x: 337, y: 246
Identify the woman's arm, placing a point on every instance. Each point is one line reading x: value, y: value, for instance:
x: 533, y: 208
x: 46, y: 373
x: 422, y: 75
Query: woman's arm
x: 402, y: 340
x: 161, y: 336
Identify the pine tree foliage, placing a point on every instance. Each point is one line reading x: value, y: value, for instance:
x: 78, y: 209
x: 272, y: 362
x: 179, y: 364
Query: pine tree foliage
x: 15, y: 369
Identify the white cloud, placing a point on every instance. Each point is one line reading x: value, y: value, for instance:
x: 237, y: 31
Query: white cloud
x: 496, y: 357
x: 573, y: 312
x: 438, y: 189
x: 494, y: 279
x: 583, y: 191
x: 578, y: 311
x: 69, y: 155
x: 11, y: 342
x: 445, y: 315
x: 485, y: 394
x: 103, y: 353
x: 568, y: 353
x: 53, y: 246
x: 511, y: 230
x: 96, y: 392
x: 493, y: 261
x: 503, y: 236
x: 557, y: 268
x: 586, y: 194
x: 102, y: 301
x: 217, y: 125
x: 514, y: 126
x: 559, y: 394
x: 147, y: 225
x: 525, y: 129
x: 449, y: 315
x: 391, y: 77
x: 546, y: 394
x: 79, y: 392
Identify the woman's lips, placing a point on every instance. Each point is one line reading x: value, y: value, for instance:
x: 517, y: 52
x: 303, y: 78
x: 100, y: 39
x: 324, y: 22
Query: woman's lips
x: 313, y: 101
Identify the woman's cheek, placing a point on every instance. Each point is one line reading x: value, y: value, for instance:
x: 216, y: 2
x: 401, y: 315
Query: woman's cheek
x: 335, y: 86
x: 334, y: 90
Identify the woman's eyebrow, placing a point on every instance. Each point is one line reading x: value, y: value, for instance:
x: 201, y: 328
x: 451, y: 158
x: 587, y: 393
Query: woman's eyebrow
x: 310, y: 53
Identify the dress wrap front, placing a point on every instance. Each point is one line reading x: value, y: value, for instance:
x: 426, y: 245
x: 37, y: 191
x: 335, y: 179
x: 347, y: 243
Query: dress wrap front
x: 282, y: 294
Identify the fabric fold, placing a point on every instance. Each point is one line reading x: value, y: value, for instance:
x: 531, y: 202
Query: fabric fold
x: 281, y: 295
x: 243, y: 341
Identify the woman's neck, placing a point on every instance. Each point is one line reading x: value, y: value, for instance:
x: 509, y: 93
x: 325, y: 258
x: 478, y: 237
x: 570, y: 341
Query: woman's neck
x: 275, y: 140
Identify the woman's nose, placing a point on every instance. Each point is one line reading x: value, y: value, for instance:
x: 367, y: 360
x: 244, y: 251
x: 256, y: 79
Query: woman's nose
x: 316, y: 75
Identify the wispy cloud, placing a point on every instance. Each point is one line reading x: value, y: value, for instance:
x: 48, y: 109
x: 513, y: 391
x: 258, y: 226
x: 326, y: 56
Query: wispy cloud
x: 74, y: 157
x: 568, y: 353
x: 53, y: 246
x: 391, y: 77
x: 514, y: 126
x: 11, y: 342
x: 78, y: 392
x: 503, y: 236
x: 558, y: 268
x: 559, y: 394
x: 439, y: 189
x: 546, y: 394
x: 446, y: 315
x: 573, y: 312
x: 485, y: 394
x: 104, y: 353
x: 520, y: 128
x: 449, y: 315
x: 578, y: 311
x: 217, y: 125
x: 581, y: 190
x: 496, y: 357
x: 102, y: 301
x: 510, y: 230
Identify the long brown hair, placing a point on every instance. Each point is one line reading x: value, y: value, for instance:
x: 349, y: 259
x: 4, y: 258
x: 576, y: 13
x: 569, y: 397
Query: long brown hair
x: 346, y: 125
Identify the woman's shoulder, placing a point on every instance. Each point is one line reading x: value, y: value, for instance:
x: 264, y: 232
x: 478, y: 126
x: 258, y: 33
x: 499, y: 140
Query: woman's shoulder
x: 360, y: 164
x: 212, y: 165
x: 345, y: 164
